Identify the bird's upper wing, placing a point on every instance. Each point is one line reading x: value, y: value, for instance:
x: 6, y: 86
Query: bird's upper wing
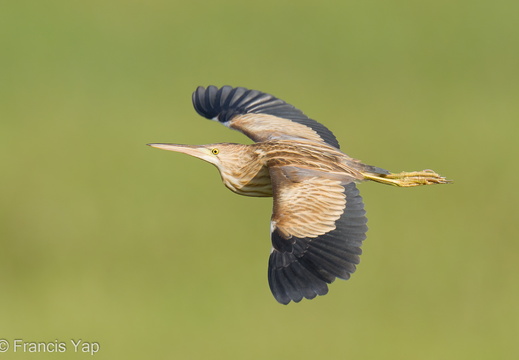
x: 318, y: 225
x: 258, y: 115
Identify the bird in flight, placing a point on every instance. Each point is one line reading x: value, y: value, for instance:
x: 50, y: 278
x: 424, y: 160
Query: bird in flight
x: 318, y: 220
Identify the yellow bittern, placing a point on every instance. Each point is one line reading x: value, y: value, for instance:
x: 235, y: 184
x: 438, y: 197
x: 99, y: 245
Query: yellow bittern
x: 318, y: 220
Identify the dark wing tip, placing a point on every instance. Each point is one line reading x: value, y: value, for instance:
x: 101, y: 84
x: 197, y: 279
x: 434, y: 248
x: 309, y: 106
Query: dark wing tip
x: 204, y: 101
x: 295, y: 281
x: 227, y: 102
x: 219, y: 103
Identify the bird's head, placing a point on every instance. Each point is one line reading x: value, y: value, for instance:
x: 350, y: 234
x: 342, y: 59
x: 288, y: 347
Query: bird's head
x: 234, y: 163
x: 223, y: 155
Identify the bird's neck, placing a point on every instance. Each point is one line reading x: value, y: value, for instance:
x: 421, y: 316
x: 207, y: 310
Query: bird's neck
x: 248, y: 175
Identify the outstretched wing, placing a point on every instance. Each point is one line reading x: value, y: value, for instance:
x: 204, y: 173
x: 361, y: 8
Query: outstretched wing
x: 318, y: 225
x: 258, y: 115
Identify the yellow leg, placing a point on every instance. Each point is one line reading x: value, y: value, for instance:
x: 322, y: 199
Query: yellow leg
x: 407, y: 179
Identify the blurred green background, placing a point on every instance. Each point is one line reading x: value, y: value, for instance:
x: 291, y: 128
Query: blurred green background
x: 145, y: 252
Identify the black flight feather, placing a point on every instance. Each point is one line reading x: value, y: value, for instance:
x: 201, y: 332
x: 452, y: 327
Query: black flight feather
x: 227, y: 102
x: 312, y: 263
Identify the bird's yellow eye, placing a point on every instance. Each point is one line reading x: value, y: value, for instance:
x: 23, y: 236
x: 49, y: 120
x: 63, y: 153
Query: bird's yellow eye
x: 215, y: 151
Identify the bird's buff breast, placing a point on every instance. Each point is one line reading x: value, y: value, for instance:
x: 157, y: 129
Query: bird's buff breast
x: 249, y: 182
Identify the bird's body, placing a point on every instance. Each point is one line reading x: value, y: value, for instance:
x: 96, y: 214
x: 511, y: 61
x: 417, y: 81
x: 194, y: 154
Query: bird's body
x: 318, y: 221
x: 246, y: 171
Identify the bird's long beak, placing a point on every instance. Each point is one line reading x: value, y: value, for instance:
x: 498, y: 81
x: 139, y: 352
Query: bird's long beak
x: 198, y: 151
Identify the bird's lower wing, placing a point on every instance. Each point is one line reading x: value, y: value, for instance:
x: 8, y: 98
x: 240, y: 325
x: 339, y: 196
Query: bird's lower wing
x: 318, y: 225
